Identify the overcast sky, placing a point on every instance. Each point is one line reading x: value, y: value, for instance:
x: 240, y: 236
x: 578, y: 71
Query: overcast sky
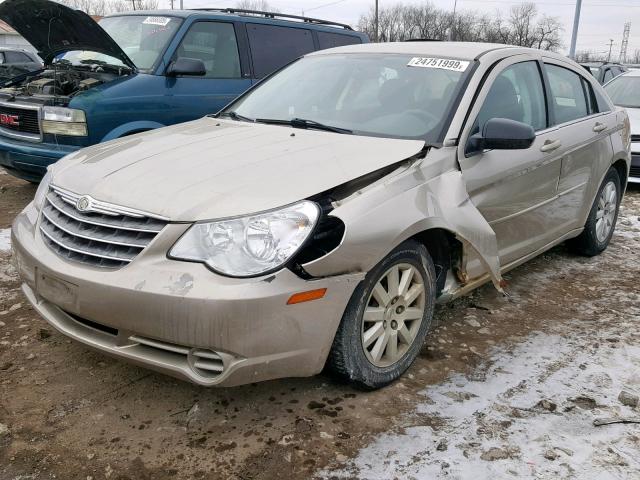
x: 600, y: 21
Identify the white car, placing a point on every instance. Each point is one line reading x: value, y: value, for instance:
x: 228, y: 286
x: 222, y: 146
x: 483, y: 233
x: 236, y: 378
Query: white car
x: 624, y: 91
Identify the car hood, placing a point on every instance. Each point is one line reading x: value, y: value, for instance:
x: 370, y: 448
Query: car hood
x: 634, y: 119
x: 212, y: 168
x: 53, y: 29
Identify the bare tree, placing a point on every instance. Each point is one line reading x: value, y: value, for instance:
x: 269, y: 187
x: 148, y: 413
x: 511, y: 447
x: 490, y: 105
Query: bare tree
x: 523, y: 26
x: 104, y: 7
x: 260, y: 5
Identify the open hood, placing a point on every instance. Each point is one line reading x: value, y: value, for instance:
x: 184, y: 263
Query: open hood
x: 54, y: 29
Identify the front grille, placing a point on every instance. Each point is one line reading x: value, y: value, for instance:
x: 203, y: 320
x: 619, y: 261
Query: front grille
x: 23, y: 120
x: 635, y: 138
x: 102, y: 239
x: 634, y: 171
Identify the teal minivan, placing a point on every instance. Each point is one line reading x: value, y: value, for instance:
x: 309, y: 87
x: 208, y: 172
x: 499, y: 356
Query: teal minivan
x: 137, y: 71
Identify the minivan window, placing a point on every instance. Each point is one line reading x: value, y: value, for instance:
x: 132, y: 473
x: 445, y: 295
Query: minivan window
x: 142, y: 37
x: 567, y: 94
x: 272, y: 46
x: 215, y: 44
x: 330, y: 40
x: 516, y: 94
x: 369, y: 94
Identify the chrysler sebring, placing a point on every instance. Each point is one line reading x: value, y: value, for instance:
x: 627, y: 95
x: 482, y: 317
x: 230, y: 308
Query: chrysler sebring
x: 316, y: 220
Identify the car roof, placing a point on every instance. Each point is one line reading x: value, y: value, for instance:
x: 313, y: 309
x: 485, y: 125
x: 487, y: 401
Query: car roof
x: 631, y: 73
x: 598, y: 64
x: 238, y: 15
x: 461, y: 50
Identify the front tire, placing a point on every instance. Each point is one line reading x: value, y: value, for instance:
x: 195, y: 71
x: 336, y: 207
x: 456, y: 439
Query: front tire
x: 602, y: 218
x: 387, y: 319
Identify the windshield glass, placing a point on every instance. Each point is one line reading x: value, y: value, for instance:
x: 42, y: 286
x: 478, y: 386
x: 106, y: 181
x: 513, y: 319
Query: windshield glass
x: 624, y: 91
x: 370, y: 94
x: 143, y: 38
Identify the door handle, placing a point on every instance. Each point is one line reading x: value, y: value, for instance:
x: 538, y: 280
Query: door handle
x: 550, y: 145
x: 598, y: 127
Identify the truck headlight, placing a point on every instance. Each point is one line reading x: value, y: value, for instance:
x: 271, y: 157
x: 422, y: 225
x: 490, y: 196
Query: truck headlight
x: 249, y: 246
x: 64, y: 121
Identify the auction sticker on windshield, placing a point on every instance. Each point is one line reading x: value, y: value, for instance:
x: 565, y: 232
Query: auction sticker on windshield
x: 162, y: 21
x: 443, y: 63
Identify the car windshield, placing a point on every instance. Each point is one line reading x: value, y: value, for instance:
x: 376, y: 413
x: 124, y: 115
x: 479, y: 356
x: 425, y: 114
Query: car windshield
x: 143, y: 38
x: 624, y: 91
x: 385, y: 95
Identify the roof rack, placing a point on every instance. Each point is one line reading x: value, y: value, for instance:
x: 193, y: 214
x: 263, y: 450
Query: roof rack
x: 286, y: 16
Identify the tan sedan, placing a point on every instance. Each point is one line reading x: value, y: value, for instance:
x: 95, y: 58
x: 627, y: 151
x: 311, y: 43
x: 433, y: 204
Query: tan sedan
x: 319, y: 218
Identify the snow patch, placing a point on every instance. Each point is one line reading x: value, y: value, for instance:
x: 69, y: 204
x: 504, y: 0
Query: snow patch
x: 468, y: 418
x: 5, y: 240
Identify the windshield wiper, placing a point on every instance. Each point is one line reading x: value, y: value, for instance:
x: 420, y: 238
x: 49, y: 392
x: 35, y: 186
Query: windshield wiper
x: 304, y: 123
x: 234, y: 116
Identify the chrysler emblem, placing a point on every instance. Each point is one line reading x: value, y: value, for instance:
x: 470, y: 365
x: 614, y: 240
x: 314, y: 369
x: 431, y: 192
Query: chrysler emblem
x: 83, y: 204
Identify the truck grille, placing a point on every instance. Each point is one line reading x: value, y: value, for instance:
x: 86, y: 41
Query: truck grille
x: 103, y: 237
x: 21, y: 120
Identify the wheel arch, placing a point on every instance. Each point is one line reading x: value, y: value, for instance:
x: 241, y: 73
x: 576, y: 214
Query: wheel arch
x: 621, y: 167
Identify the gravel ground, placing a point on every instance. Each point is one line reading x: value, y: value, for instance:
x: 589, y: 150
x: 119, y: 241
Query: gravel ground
x: 504, y: 387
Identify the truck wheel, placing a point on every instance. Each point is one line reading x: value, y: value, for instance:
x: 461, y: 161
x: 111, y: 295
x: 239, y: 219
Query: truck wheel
x: 387, y: 319
x: 601, y: 222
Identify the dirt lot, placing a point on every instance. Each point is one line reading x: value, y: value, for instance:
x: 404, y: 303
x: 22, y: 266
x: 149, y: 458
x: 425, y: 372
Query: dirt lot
x: 470, y: 404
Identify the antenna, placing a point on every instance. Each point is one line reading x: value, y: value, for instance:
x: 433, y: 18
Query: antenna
x: 625, y: 43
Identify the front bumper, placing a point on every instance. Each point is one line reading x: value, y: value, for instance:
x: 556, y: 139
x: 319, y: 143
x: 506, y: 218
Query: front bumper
x: 163, y: 314
x: 29, y: 160
x: 634, y: 172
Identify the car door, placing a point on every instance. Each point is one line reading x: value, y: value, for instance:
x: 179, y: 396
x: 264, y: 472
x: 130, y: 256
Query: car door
x: 215, y: 44
x: 584, y: 126
x: 515, y: 190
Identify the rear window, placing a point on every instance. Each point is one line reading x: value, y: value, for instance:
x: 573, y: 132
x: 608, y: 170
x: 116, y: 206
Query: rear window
x: 567, y: 94
x: 330, y: 40
x: 272, y: 47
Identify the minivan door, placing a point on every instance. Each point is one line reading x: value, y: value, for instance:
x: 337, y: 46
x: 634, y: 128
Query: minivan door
x: 515, y: 190
x: 193, y: 96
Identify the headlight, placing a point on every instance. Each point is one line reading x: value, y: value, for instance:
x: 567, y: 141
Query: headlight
x: 64, y: 121
x: 42, y: 191
x: 251, y: 245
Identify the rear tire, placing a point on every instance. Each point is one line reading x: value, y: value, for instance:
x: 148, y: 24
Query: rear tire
x: 386, y: 320
x: 602, y: 218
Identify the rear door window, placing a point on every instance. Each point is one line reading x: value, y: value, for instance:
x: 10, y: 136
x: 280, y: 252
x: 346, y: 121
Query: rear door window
x: 215, y: 44
x: 608, y: 75
x: 568, y: 97
x: 272, y: 46
x: 330, y: 40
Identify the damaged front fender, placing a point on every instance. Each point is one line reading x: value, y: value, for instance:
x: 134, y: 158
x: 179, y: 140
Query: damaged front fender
x: 420, y: 198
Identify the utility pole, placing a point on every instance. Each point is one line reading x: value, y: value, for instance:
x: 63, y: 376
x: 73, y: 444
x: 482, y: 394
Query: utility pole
x: 610, y: 47
x: 625, y: 43
x: 453, y: 21
x: 376, y: 24
x: 574, y: 34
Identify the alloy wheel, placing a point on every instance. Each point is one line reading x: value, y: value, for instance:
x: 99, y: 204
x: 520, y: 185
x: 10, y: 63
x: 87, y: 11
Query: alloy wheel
x: 394, y: 312
x: 606, y: 211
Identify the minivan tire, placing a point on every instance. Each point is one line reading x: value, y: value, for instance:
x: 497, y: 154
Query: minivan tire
x: 349, y: 358
x: 590, y: 242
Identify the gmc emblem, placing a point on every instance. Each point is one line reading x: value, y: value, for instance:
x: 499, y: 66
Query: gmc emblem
x: 9, y: 120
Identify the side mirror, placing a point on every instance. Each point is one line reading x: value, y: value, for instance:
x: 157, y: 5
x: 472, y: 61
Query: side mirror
x: 186, y: 66
x: 502, y: 134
